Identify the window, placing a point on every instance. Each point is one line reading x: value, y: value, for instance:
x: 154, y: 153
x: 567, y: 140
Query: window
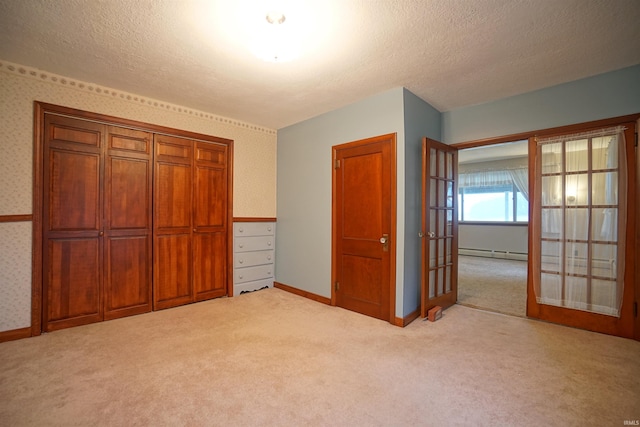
x: 491, y: 196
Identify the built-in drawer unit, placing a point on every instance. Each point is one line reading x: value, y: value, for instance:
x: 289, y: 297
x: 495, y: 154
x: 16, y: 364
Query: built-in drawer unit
x: 253, y: 256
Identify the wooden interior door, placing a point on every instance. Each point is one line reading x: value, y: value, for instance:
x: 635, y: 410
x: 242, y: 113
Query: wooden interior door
x: 72, y: 222
x: 210, y: 221
x: 439, y: 278
x: 173, y: 189
x: 127, y: 225
x: 364, y: 188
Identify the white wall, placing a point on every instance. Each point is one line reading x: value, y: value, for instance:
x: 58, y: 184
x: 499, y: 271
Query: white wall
x: 502, y: 238
x: 254, y: 162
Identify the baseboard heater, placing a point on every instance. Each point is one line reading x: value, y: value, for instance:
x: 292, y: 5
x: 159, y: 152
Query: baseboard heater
x: 489, y: 253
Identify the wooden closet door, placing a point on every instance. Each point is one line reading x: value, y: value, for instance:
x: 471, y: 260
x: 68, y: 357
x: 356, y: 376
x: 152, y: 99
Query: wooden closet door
x: 128, y: 218
x: 210, y: 202
x: 172, y: 263
x: 72, y: 222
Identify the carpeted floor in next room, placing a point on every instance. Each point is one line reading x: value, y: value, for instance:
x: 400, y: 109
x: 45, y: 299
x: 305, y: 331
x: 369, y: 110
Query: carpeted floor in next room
x: 493, y: 284
x: 271, y: 358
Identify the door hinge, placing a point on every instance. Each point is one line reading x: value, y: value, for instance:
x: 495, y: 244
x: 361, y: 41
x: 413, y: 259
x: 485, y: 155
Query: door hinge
x: 337, y: 286
x: 636, y: 139
x: 635, y: 309
x: 336, y: 164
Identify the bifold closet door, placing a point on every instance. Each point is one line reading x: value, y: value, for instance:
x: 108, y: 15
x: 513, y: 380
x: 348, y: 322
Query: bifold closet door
x: 97, y: 222
x: 127, y: 225
x: 72, y: 222
x: 210, y: 210
x: 173, y: 190
x: 191, y: 221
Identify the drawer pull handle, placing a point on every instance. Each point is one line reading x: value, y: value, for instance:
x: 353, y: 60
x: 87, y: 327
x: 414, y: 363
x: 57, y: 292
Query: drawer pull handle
x: 269, y: 229
x: 240, y: 261
x: 269, y: 273
x: 269, y: 243
x: 240, y: 277
x: 269, y: 258
x: 241, y: 246
x: 240, y: 229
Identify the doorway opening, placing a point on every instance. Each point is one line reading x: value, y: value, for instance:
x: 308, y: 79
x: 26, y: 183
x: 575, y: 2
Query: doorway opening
x: 493, y: 220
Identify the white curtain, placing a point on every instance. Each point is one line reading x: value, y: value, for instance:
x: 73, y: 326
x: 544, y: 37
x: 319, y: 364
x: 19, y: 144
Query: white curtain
x: 520, y: 178
x: 490, y: 178
x: 580, y: 181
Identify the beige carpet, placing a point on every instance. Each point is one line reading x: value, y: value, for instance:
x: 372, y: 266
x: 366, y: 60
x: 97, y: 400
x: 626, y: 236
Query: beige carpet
x: 492, y: 284
x: 271, y: 358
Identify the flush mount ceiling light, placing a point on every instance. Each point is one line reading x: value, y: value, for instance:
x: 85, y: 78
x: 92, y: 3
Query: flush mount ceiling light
x: 274, y: 40
x: 275, y: 18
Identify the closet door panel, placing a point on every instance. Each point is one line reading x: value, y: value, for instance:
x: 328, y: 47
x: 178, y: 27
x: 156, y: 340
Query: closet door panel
x: 173, y: 186
x: 128, y: 276
x: 73, y: 278
x: 210, y: 198
x: 128, y: 194
x: 210, y: 259
x: 172, y: 284
x: 74, y: 187
x: 128, y: 214
x: 72, y: 222
x: 210, y: 265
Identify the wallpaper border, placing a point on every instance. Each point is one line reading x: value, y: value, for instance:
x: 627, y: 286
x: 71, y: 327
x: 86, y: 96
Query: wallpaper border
x: 36, y: 74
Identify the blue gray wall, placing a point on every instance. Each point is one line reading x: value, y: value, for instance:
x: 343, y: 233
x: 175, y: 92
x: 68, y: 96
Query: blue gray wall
x: 420, y: 120
x: 304, y: 169
x: 303, y: 244
x: 603, y: 96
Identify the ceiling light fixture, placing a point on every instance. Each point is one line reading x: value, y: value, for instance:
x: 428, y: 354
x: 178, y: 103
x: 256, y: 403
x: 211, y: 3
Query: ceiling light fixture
x: 274, y: 41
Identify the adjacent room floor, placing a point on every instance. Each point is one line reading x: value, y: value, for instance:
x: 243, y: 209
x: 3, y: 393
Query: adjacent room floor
x: 492, y: 284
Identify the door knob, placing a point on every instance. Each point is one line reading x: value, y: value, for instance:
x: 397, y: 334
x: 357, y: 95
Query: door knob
x: 385, y: 242
x: 431, y: 234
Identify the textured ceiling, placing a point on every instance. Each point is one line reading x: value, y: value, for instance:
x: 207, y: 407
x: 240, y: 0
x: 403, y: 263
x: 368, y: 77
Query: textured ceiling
x: 450, y: 53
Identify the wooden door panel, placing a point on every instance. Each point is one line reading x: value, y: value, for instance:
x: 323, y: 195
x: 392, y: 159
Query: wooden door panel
x: 363, y: 215
x: 74, y: 280
x: 362, y: 192
x: 173, y: 196
x: 211, y: 154
x: 172, y: 279
x: 210, y: 265
x: 130, y: 141
x: 128, y: 194
x: 210, y: 197
x: 74, y: 188
x: 128, y: 276
x: 74, y: 132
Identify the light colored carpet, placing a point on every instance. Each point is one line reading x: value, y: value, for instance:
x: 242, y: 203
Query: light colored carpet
x: 492, y: 284
x: 271, y: 358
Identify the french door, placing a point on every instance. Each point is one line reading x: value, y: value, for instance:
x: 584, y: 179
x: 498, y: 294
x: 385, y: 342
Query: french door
x: 582, y: 236
x: 439, y: 278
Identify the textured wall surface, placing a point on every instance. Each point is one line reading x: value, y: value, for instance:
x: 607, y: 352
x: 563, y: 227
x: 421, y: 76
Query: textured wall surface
x: 254, y: 161
x: 15, y: 275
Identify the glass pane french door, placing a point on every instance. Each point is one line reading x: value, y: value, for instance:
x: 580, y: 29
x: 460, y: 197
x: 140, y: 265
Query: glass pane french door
x: 579, y: 227
x: 439, y: 226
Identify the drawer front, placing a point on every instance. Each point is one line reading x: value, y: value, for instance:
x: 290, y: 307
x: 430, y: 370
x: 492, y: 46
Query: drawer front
x: 241, y: 275
x: 254, y: 229
x: 250, y: 259
x: 258, y: 243
x: 251, y: 286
